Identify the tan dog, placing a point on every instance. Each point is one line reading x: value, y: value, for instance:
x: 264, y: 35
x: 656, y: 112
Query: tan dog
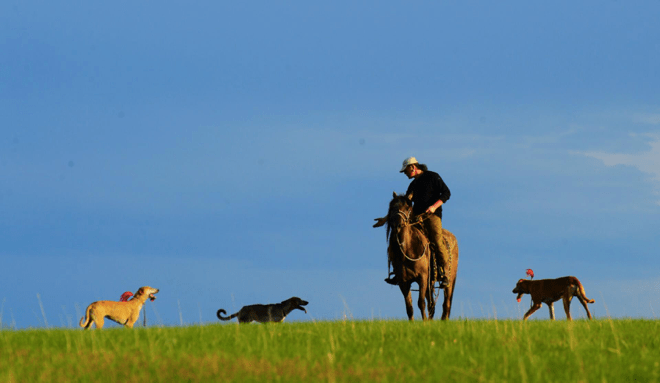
x: 549, y: 291
x: 124, y: 313
x: 266, y: 313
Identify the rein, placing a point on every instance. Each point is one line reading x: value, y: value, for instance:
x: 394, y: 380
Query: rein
x: 406, y: 223
x: 406, y: 218
x: 404, y: 253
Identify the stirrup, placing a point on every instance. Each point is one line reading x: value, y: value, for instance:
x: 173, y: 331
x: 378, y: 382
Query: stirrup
x: 444, y: 282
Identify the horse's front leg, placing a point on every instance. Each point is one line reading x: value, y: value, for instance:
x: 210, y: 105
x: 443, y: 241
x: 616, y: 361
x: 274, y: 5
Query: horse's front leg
x: 405, y: 290
x: 421, y: 302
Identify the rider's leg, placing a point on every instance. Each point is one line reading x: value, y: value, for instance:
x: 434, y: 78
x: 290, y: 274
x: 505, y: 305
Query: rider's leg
x: 392, y: 278
x: 433, y: 225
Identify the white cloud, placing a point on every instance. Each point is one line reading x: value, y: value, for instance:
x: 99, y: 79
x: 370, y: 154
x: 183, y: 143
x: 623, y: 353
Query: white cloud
x: 647, y: 161
x: 647, y: 118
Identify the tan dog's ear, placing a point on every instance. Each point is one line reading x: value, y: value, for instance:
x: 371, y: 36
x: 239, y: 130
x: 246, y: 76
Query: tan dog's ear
x: 410, y: 196
x: 140, y: 291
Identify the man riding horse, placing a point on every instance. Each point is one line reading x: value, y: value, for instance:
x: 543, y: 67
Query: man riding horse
x: 429, y: 193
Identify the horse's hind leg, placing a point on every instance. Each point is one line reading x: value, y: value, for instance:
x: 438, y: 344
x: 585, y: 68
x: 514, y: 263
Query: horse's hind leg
x: 431, y: 302
x: 446, y: 305
x: 405, y: 290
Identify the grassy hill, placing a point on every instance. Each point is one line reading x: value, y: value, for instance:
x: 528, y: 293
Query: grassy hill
x: 341, y: 351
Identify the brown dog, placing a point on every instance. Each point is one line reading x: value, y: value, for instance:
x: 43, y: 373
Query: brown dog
x: 549, y: 291
x: 124, y: 313
x: 266, y: 313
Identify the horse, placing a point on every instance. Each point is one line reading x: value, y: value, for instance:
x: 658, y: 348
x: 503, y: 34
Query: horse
x: 410, y: 254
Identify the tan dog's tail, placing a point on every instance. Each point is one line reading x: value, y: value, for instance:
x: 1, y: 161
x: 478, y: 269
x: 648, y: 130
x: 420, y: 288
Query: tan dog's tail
x: 583, y: 293
x: 87, y: 318
x: 221, y: 311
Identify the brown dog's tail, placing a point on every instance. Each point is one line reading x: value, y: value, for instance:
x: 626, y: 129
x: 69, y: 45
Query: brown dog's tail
x: 221, y: 311
x: 86, y: 321
x: 583, y: 293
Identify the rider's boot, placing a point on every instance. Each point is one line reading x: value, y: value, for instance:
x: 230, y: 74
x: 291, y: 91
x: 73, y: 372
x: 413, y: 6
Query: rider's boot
x: 444, y: 281
x: 440, y: 270
x: 393, y: 279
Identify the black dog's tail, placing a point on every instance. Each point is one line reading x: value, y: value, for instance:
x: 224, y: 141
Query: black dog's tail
x: 221, y: 311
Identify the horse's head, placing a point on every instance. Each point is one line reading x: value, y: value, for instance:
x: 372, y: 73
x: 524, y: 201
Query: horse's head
x: 399, y: 213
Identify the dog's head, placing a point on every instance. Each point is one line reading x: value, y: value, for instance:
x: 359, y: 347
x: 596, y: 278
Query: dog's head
x: 520, y: 289
x: 148, y: 291
x: 297, y: 303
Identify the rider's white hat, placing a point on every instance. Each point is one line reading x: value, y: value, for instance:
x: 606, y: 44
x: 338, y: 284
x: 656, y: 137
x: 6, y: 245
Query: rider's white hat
x: 408, y: 161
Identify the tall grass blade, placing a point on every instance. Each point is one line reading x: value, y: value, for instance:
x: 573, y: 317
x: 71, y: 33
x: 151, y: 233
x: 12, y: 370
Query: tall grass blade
x: 43, y: 313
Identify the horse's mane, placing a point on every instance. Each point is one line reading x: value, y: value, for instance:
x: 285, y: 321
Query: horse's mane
x: 393, y: 212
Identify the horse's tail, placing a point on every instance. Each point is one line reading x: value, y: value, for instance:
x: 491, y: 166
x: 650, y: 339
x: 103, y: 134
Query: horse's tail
x: 221, y: 311
x: 86, y: 321
x: 582, y: 293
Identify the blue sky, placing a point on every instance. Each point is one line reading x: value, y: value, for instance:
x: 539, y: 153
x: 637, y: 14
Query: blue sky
x: 237, y: 153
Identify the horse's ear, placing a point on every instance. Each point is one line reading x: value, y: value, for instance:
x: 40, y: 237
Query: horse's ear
x: 394, y: 194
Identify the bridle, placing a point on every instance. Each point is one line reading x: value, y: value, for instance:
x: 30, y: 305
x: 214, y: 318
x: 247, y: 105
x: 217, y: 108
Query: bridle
x: 405, y: 216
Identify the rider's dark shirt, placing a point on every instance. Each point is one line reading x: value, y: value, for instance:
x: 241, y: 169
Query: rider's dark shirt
x: 427, y: 189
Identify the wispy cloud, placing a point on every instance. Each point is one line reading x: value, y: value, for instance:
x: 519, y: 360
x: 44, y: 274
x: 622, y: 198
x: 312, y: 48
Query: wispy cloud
x: 647, y: 118
x: 647, y: 161
x: 549, y: 138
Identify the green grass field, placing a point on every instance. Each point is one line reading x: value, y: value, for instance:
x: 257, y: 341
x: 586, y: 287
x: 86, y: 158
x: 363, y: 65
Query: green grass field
x: 602, y: 350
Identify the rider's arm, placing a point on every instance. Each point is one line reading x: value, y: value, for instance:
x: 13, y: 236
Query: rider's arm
x: 444, y: 193
x: 435, y: 206
x: 441, y: 187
